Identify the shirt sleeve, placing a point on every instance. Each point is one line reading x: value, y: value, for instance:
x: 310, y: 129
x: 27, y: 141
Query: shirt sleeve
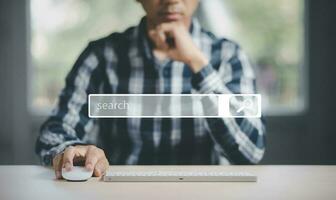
x: 69, y: 123
x: 241, y: 140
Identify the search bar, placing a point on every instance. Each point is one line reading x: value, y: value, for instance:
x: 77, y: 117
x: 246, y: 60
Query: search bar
x: 174, y: 105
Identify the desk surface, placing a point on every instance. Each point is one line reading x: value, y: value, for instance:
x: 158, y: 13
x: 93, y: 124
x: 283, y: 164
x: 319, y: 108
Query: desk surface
x: 274, y: 182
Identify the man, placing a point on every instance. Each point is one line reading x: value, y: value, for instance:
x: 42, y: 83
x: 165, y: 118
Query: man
x: 167, y: 53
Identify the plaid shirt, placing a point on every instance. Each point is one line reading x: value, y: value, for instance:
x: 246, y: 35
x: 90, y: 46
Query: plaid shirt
x: 123, y: 63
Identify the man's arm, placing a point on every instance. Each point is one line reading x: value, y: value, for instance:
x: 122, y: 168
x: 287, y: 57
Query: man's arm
x: 242, y: 140
x: 69, y: 122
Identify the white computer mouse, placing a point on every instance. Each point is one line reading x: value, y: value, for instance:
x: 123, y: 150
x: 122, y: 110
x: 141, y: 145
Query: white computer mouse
x: 77, y: 173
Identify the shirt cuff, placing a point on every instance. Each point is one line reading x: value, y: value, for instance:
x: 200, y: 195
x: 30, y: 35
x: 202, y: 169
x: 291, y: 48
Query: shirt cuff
x: 206, y: 80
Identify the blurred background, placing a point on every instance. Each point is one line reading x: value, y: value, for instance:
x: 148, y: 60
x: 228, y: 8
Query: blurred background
x: 290, y: 42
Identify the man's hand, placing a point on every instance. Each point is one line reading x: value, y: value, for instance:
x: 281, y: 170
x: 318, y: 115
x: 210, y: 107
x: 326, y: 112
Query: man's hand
x: 93, y: 158
x: 175, y: 40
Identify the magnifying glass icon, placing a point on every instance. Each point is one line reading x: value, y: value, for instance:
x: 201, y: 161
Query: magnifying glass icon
x: 246, y: 104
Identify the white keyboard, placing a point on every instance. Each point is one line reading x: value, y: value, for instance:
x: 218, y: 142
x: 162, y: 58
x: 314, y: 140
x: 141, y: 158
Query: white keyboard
x: 178, y: 176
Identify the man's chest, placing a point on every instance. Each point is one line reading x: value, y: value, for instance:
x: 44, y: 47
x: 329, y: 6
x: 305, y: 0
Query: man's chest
x: 171, y: 78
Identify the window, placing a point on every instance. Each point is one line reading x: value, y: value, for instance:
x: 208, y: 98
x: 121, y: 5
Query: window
x: 270, y: 31
x: 61, y: 29
x: 272, y: 34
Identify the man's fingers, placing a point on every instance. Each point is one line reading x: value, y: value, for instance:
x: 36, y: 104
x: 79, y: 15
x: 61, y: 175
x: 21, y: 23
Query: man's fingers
x: 92, y: 156
x: 159, y: 39
x: 164, y: 40
x: 101, y: 167
x: 57, y: 165
x: 165, y: 34
x: 95, y: 159
x: 68, y: 157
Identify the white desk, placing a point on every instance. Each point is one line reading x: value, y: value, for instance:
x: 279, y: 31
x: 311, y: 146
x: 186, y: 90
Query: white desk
x: 274, y: 182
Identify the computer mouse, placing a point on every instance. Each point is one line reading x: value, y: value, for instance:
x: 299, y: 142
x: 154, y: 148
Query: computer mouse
x: 77, y: 173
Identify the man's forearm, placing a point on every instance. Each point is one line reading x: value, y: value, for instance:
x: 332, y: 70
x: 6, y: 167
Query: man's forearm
x: 242, y: 140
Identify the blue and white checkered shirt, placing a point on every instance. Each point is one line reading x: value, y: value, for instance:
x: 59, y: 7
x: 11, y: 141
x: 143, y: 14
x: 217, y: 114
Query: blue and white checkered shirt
x: 123, y: 63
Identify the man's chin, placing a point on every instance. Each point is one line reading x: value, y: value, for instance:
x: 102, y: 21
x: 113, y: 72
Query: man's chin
x: 171, y: 18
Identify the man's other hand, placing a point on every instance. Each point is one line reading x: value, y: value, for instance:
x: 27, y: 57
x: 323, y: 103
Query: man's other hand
x: 175, y: 40
x: 91, y: 156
